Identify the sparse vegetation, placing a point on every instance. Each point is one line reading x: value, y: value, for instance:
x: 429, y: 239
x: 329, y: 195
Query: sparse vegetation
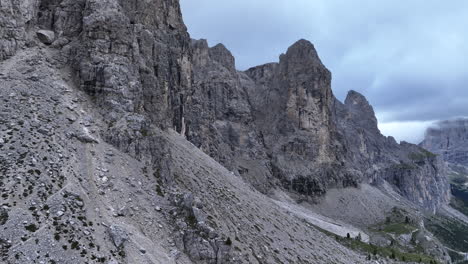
x: 386, y: 251
x: 404, y: 166
x: 451, y: 232
x: 398, y: 228
x: 191, y: 220
x: 378, y: 251
x: 421, y: 155
x: 31, y: 228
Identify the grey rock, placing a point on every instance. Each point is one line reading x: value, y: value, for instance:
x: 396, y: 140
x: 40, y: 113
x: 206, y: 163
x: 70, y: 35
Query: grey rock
x: 46, y: 36
x: 218, y: 116
x: 358, y: 105
x: 280, y: 122
x: 60, y: 42
x: 416, y: 174
x: 293, y: 106
x: 14, y: 15
x: 118, y: 235
x: 198, y: 239
x: 84, y: 137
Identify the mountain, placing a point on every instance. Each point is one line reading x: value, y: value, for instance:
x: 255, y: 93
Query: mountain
x: 123, y: 140
x: 449, y: 140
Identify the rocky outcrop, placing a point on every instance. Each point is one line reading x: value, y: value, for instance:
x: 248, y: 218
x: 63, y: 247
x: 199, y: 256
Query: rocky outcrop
x: 416, y: 173
x: 316, y: 142
x: 280, y: 123
x: 46, y: 36
x: 218, y: 116
x: 196, y: 236
x: 16, y: 18
x: 135, y: 58
x: 293, y: 105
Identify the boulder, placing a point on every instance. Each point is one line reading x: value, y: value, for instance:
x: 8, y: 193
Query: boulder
x: 118, y: 235
x: 46, y: 36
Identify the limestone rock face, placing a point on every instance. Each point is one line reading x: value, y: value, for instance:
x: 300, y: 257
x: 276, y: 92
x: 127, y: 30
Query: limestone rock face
x: 279, y: 123
x: 218, y: 116
x: 363, y: 112
x: 293, y: 105
x: 135, y: 58
x: 416, y: 173
x: 16, y: 17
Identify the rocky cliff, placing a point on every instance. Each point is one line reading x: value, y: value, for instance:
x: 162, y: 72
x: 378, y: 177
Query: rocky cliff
x: 293, y: 105
x: 419, y: 175
x: 279, y: 124
x: 124, y: 141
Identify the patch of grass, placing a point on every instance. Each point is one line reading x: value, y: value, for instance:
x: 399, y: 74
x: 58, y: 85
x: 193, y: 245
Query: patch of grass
x: 75, y: 245
x: 459, y: 200
x: 404, y: 166
x: 421, y: 155
x: 144, y: 132
x: 191, y: 220
x: 457, y: 178
x: 374, y: 250
x: 398, y: 228
x: 386, y: 251
x: 159, y: 191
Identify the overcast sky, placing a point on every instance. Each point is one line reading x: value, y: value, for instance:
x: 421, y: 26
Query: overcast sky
x: 408, y: 57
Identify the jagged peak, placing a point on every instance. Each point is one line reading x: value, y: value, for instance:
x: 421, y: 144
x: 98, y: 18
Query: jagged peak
x: 302, y: 44
x: 302, y: 51
x: 220, y: 47
x: 356, y: 102
x: 262, y: 72
x: 356, y: 98
x: 200, y: 43
x: 222, y: 55
x: 218, y: 53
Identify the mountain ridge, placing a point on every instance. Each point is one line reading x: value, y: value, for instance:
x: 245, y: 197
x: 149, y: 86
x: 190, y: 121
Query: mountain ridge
x: 125, y: 141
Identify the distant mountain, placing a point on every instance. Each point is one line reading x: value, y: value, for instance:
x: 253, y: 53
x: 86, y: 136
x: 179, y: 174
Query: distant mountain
x: 450, y: 140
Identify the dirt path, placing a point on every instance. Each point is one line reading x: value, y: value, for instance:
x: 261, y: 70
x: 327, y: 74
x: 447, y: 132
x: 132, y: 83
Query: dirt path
x: 328, y: 224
